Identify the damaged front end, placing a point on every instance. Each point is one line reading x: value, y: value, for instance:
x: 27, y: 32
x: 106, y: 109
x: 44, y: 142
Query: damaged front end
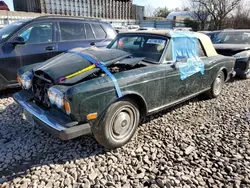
x: 46, y: 99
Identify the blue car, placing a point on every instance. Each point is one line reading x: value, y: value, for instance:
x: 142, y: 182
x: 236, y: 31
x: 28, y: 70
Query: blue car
x: 33, y: 41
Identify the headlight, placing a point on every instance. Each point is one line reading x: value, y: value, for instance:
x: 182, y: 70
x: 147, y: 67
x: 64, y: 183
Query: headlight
x: 52, y: 96
x: 56, y: 97
x: 59, y: 101
x: 26, y: 80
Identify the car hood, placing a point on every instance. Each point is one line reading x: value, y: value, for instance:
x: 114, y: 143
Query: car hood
x: 68, y: 63
x: 232, y: 47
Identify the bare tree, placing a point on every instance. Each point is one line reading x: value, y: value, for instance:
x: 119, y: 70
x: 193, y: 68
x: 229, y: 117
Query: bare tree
x: 200, y: 13
x: 149, y: 10
x: 218, y: 10
x: 241, y: 17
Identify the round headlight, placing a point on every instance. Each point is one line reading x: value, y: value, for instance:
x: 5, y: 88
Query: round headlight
x: 52, y: 96
x: 56, y: 97
x: 26, y: 80
x: 59, y: 101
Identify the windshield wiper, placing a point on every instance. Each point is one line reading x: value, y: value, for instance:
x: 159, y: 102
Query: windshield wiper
x: 148, y: 61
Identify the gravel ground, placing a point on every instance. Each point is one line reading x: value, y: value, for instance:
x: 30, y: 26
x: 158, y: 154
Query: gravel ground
x: 201, y: 143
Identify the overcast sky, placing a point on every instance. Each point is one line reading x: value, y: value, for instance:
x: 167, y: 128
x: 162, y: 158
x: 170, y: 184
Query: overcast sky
x: 170, y: 4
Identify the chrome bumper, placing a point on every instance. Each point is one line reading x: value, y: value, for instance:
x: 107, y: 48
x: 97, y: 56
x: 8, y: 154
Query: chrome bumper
x: 54, y: 122
x: 232, y: 74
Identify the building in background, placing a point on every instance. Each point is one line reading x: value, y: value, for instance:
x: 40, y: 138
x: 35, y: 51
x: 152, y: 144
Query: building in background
x: 4, y: 6
x: 27, y: 5
x: 137, y: 12
x: 180, y: 16
x: 108, y: 9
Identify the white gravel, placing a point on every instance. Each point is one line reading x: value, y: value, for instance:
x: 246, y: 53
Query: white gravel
x: 201, y: 143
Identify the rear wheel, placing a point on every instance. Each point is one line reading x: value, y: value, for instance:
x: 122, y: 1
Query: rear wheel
x: 118, y: 124
x: 217, y: 85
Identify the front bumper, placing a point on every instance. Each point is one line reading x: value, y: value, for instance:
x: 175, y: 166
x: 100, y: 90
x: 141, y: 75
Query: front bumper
x: 54, y: 122
x: 232, y: 74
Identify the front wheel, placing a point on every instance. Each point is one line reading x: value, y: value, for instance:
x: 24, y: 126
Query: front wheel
x: 217, y: 85
x: 118, y: 124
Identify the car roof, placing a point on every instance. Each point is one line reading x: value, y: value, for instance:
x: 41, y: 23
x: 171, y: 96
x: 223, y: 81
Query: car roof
x: 231, y: 31
x: 61, y: 17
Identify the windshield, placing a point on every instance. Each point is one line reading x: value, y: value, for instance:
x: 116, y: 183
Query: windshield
x: 150, y: 47
x: 231, y: 38
x: 7, y: 30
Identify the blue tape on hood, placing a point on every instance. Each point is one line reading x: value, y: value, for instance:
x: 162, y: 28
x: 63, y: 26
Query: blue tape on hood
x: 102, y: 67
x: 185, y: 48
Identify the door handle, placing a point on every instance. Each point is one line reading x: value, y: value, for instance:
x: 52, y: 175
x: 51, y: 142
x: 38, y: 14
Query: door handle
x: 50, y: 48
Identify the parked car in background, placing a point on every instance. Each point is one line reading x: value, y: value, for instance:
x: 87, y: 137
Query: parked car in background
x: 182, y: 29
x: 33, y: 41
x: 146, y: 29
x: 108, y: 91
x: 235, y: 43
x: 133, y: 27
x: 119, y: 29
x: 4, y: 6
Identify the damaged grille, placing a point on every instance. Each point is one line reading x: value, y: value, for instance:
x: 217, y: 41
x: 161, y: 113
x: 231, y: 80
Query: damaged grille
x: 41, y: 84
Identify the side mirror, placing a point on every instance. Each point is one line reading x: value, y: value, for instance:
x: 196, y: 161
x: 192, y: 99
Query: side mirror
x: 18, y: 40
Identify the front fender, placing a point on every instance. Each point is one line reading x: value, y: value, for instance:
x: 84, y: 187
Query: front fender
x: 101, y: 102
x: 242, y: 62
x: 28, y: 68
x: 242, y: 55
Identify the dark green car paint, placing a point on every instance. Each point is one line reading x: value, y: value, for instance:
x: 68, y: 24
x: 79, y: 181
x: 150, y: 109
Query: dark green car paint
x: 152, y: 86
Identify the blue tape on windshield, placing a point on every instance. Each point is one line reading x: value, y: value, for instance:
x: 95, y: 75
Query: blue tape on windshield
x: 185, y: 52
x: 101, y: 66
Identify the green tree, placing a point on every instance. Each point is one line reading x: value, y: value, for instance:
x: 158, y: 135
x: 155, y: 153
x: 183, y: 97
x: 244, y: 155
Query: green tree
x: 162, y: 12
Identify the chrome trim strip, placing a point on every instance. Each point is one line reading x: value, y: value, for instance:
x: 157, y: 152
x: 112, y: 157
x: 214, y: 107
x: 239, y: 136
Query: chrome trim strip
x: 38, y: 113
x: 177, y: 101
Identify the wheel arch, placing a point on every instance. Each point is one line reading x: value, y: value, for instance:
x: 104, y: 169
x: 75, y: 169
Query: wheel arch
x: 136, y: 97
x: 139, y: 100
x: 224, y: 70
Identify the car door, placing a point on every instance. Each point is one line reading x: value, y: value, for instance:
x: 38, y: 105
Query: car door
x: 39, y: 46
x: 74, y: 34
x: 178, y: 88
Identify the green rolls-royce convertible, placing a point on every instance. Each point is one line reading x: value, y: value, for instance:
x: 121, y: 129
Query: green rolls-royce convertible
x: 108, y: 91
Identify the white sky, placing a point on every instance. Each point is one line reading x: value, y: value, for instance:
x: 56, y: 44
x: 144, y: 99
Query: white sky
x: 170, y: 4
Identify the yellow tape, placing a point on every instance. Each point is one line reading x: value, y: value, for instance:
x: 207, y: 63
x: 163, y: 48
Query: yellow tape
x: 81, y: 71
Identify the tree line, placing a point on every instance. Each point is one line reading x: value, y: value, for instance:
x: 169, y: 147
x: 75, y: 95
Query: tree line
x: 213, y: 14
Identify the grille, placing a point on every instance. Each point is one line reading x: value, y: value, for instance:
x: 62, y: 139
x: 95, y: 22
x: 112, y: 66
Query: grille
x: 41, y: 84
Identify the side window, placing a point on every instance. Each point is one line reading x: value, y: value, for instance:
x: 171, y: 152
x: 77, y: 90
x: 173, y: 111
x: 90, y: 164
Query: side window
x: 38, y: 33
x: 89, y: 32
x: 99, y: 32
x: 169, y: 56
x: 72, y: 31
x: 201, y: 51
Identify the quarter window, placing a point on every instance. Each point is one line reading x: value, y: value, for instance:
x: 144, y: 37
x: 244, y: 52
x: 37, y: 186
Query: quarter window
x: 99, y: 32
x: 89, y: 32
x: 201, y: 50
x: 38, y: 33
x: 72, y: 31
